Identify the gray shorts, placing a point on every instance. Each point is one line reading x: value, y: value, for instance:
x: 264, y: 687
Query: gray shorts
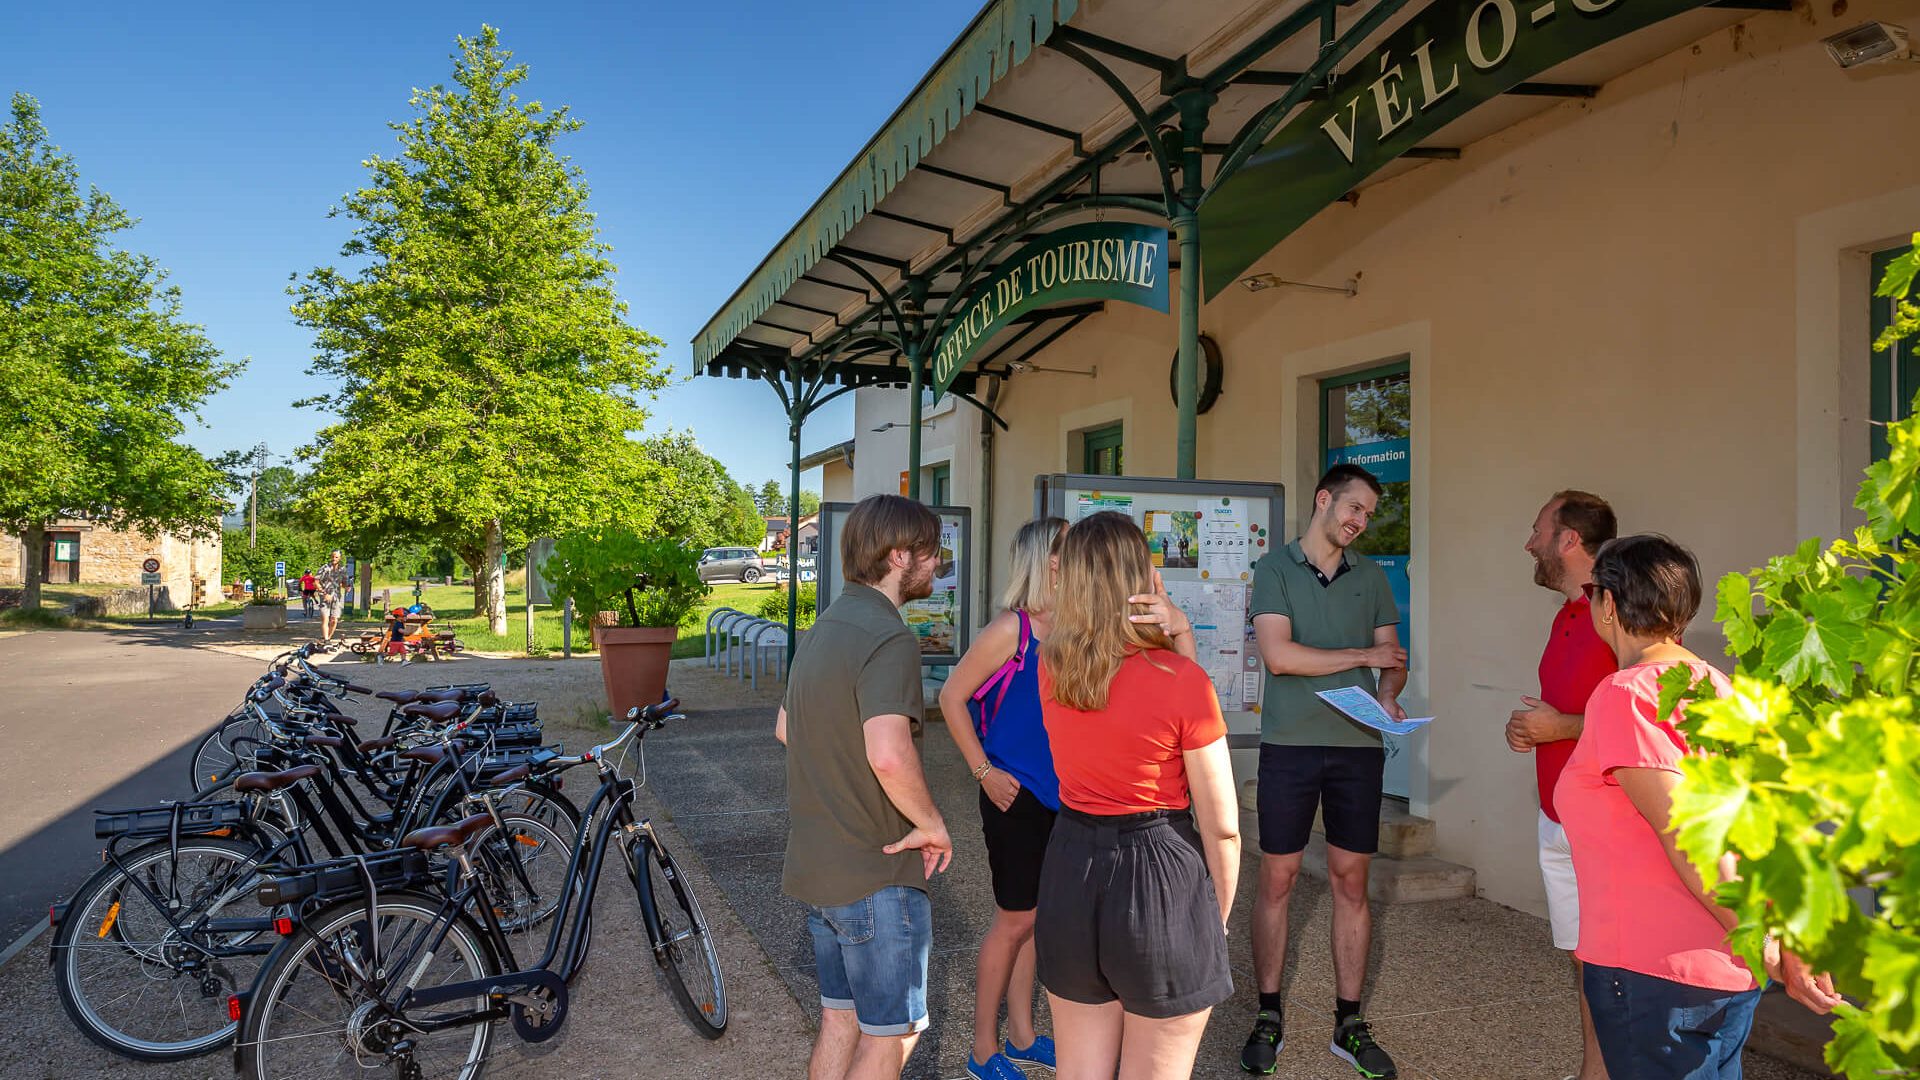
x: 333, y: 606
x: 1128, y: 913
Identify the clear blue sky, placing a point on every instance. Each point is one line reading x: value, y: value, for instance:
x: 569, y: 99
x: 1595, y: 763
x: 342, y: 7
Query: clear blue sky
x: 230, y: 129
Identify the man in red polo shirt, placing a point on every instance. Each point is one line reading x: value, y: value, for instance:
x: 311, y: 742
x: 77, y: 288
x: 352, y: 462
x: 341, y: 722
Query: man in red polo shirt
x: 1567, y: 534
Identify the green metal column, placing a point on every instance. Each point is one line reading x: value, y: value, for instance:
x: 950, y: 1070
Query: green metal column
x: 1194, y: 105
x: 917, y: 368
x: 796, y: 418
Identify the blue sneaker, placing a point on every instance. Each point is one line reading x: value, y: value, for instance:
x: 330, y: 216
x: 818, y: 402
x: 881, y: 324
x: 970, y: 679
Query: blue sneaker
x: 1040, y: 1053
x: 997, y: 1067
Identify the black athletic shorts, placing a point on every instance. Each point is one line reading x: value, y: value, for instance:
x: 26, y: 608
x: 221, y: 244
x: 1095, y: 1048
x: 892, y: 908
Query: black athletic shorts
x: 1128, y: 913
x: 1016, y: 846
x: 1343, y: 782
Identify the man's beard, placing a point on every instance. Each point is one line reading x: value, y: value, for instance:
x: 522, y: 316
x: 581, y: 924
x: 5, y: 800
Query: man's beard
x: 917, y: 584
x: 1549, y: 575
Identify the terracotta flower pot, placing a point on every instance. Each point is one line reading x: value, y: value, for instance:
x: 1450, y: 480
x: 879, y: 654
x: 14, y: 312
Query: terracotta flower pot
x: 633, y: 664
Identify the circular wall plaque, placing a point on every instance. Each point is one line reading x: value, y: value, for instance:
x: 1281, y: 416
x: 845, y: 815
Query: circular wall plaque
x: 1212, y: 371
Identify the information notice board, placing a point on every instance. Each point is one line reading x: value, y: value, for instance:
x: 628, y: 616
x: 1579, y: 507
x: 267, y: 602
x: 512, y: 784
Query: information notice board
x: 943, y: 621
x: 1204, y: 536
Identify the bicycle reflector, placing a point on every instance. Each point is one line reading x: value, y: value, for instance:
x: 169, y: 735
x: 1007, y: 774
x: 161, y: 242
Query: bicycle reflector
x: 283, y: 925
x: 234, y: 1004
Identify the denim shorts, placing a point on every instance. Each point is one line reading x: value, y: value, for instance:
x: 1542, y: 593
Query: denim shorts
x: 872, y: 958
x: 1651, y: 1028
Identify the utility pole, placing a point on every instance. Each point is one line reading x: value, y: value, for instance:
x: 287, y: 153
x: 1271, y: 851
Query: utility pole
x: 253, y: 495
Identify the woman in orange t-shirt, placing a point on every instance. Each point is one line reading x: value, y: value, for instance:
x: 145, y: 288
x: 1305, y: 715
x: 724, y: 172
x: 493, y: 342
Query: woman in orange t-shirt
x: 1139, y: 873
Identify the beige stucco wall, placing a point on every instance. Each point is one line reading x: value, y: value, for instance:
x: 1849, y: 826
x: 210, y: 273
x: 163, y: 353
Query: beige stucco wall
x: 1657, y: 295
x: 836, y: 482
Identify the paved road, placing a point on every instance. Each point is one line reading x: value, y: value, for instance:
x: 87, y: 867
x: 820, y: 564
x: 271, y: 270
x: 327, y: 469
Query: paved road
x: 94, y: 719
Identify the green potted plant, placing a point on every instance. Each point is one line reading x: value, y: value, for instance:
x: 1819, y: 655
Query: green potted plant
x: 648, y: 585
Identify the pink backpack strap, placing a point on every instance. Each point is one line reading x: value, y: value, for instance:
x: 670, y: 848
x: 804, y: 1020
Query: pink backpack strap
x: 1004, y: 676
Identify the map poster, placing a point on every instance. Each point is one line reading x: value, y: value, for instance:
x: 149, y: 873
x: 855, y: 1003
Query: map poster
x: 1218, y: 612
x: 1173, y: 537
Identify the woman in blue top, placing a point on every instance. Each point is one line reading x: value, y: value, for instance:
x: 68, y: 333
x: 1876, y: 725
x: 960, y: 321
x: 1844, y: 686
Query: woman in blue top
x: 991, y: 703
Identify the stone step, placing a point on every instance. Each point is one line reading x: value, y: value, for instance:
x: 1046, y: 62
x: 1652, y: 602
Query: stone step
x: 1401, y: 881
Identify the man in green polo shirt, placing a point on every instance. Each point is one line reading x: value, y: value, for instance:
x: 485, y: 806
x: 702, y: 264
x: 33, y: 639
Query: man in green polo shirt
x: 863, y: 833
x: 1324, y: 617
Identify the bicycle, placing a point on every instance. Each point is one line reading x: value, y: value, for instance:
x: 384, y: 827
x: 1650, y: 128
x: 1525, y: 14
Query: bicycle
x: 383, y: 973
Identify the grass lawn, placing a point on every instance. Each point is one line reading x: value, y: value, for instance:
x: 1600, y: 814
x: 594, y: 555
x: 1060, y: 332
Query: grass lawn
x: 453, y: 610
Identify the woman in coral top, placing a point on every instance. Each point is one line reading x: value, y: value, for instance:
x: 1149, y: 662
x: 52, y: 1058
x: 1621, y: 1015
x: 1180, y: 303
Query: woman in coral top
x: 1669, y: 998
x: 1139, y: 873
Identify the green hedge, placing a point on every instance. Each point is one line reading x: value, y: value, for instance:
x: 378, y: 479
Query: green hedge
x: 774, y: 606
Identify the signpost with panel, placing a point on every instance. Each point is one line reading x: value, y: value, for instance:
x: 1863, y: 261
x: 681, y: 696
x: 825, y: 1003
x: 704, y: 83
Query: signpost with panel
x: 943, y: 621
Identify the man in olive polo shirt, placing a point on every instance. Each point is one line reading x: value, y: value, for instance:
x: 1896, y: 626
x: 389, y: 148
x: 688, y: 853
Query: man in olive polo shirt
x: 863, y: 833
x: 1324, y: 617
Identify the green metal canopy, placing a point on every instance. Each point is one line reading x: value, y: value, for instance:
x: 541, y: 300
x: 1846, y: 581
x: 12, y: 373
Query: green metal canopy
x: 1048, y: 115
x: 999, y: 39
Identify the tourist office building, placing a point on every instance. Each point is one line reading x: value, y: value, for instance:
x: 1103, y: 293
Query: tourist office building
x: 1489, y: 249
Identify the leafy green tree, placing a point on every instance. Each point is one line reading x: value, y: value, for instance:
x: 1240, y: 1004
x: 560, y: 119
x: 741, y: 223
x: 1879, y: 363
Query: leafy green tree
x: 98, y: 373
x: 771, y: 502
x: 299, y: 549
x: 488, y: 375
x: 694, y: 500
x: 1811, y: 774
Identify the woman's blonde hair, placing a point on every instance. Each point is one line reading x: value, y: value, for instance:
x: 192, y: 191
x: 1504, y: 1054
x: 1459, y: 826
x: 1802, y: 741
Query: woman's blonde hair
x: 1030, y: 581
x: 1103, y: 560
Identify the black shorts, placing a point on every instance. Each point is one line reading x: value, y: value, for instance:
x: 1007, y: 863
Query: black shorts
x: 1016, y: 846
x: 1128, y: 913
x: 1343, y: 782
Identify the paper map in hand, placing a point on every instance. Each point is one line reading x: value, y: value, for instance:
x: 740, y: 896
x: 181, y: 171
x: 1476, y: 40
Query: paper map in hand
x: 1362, y: 707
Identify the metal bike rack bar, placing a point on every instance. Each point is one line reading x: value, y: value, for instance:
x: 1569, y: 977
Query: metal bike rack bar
x: 709, y: 640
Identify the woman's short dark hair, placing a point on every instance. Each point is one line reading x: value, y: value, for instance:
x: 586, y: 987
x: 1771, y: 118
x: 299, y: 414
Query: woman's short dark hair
x: 878, y: 526
x: 1655, y: 584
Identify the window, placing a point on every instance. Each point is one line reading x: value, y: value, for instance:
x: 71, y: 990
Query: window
x: 1103, y: 455
x: 1896, y: 372
x: 940, y: 485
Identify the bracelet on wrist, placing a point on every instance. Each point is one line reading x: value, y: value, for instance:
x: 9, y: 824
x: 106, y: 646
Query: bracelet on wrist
x: 980, y: 774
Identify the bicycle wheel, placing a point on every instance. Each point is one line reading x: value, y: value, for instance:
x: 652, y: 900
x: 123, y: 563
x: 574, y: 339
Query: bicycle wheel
x: 214, y: 759
x: 133, y: 981
x: 682, y: 943
x: 311, y: 1015
x: 526, y: 870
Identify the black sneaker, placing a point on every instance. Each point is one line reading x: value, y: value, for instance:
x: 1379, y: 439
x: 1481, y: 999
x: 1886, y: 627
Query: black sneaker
x: 1353, y: 1043
x: 1263, y: 1046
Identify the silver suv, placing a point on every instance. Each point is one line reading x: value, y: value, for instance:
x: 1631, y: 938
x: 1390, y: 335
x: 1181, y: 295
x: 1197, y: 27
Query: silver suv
x: 722, y: 563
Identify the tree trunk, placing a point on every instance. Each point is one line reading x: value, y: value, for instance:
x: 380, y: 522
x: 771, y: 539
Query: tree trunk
x: 496, y: 579
x: 472, y: 560
x: 366, y: 585
x: 35, y: 542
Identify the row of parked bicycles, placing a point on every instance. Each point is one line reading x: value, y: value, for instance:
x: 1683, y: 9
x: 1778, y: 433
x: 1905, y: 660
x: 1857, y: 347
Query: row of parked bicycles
x: 329, y: 901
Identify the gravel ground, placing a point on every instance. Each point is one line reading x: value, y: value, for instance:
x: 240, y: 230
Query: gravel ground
x: 621, y: 1020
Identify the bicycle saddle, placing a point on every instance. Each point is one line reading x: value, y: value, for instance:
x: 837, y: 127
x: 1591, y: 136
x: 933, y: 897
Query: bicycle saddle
x: 440, y: 710
x: 274, y: 781
x: 438, y: 836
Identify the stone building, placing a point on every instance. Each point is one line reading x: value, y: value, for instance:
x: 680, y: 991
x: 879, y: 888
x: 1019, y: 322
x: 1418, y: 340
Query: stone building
x: 83, y: 551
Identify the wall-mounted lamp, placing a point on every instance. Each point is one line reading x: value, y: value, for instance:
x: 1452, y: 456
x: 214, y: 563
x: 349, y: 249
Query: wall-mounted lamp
x: 891, y: 424
x: 1258, y: 282
x: 1021, y: 367
x: 1869, y: 43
